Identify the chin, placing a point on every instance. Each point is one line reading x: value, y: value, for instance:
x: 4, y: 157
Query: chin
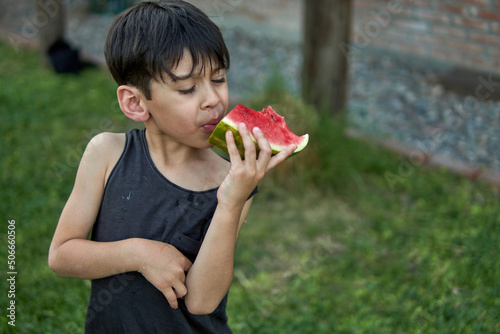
x: 204, y: 145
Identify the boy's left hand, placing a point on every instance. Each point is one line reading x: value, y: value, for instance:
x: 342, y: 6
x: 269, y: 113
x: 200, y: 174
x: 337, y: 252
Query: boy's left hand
x: 244, y: 175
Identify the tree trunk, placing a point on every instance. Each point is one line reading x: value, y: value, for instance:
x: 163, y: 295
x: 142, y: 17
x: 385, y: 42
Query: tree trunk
x: 51, y: 21
x: 327, y: 27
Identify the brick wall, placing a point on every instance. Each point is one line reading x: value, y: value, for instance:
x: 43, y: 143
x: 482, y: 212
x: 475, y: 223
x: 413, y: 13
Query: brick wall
x: 462, y: 32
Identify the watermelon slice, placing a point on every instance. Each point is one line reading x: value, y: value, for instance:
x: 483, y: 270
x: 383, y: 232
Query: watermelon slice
x: 272, y: 125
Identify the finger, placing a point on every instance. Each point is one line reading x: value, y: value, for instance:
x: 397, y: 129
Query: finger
x: 171, y: 297
x: 234, y: 154
x: 264, y: 147
x: 280, y: 157
x: 248, y: 144
x: 187, y: 264
x: 180, y: 290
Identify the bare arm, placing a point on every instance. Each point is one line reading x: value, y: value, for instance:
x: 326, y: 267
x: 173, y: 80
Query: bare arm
x: 211, y: 275
x: 71, y: 254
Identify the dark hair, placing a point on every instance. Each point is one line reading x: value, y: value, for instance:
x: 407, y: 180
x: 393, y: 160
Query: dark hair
x: 150, y: 38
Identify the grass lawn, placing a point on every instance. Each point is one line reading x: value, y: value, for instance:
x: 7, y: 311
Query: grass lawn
x: 329, y: 246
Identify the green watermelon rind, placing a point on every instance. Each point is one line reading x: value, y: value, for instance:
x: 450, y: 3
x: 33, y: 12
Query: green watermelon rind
x: 218, y: 139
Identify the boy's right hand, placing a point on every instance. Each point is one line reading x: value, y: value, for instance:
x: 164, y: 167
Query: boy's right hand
x: 165, y: 267
x: 245, y: 174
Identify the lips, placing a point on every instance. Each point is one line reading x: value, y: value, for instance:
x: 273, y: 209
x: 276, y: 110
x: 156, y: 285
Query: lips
x: 210, y: 126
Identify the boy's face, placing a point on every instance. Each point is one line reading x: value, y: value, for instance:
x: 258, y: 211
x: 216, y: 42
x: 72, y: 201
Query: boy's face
x: 188, y: 109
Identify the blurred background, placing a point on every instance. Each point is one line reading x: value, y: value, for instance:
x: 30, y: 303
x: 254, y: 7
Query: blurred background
x: 387, y: 223
x: 426, y: 73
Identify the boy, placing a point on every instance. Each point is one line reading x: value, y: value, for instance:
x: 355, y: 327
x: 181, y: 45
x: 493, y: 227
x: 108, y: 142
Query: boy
x: 164, y: 210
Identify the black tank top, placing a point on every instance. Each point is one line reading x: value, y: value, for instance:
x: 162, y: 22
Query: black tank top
x: 139, y: 202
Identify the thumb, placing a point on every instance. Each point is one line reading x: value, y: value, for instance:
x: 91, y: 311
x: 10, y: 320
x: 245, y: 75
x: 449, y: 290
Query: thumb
x: 280, y: 157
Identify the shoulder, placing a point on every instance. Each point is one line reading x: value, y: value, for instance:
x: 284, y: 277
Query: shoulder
x: 107, y: 140
x: 103, y: 151
x: 105, y: 145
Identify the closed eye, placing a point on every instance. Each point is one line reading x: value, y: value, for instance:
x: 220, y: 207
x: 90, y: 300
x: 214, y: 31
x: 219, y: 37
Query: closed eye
x: 187, y: 91
x: 219, y: 81
x: 191, y: 90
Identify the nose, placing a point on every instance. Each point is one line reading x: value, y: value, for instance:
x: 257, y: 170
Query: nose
x: 211, y: 97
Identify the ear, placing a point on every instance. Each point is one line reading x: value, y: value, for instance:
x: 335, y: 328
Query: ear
x: 131, y: 103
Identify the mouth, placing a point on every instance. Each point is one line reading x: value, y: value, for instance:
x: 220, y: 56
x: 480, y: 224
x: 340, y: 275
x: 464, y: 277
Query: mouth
x: 210, y: 126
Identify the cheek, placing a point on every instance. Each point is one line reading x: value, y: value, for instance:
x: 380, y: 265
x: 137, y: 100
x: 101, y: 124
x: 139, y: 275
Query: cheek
x: 183, y: 121
x: 224, y: 96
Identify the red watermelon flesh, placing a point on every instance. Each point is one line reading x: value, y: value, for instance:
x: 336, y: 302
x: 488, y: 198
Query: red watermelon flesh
x: 271, y: 123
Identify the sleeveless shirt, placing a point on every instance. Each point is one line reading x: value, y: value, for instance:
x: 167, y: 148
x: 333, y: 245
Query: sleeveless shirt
x: 139, y: 202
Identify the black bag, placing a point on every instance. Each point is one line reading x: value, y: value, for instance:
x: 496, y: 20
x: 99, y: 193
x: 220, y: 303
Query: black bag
x: 64, y: 59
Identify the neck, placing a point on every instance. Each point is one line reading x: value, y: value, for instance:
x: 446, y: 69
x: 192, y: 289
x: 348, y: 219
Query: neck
x: 167, y: 151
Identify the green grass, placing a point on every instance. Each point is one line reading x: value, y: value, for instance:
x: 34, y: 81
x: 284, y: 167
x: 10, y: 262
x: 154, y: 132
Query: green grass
x: 46, y: 122
x: 329, y: 246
